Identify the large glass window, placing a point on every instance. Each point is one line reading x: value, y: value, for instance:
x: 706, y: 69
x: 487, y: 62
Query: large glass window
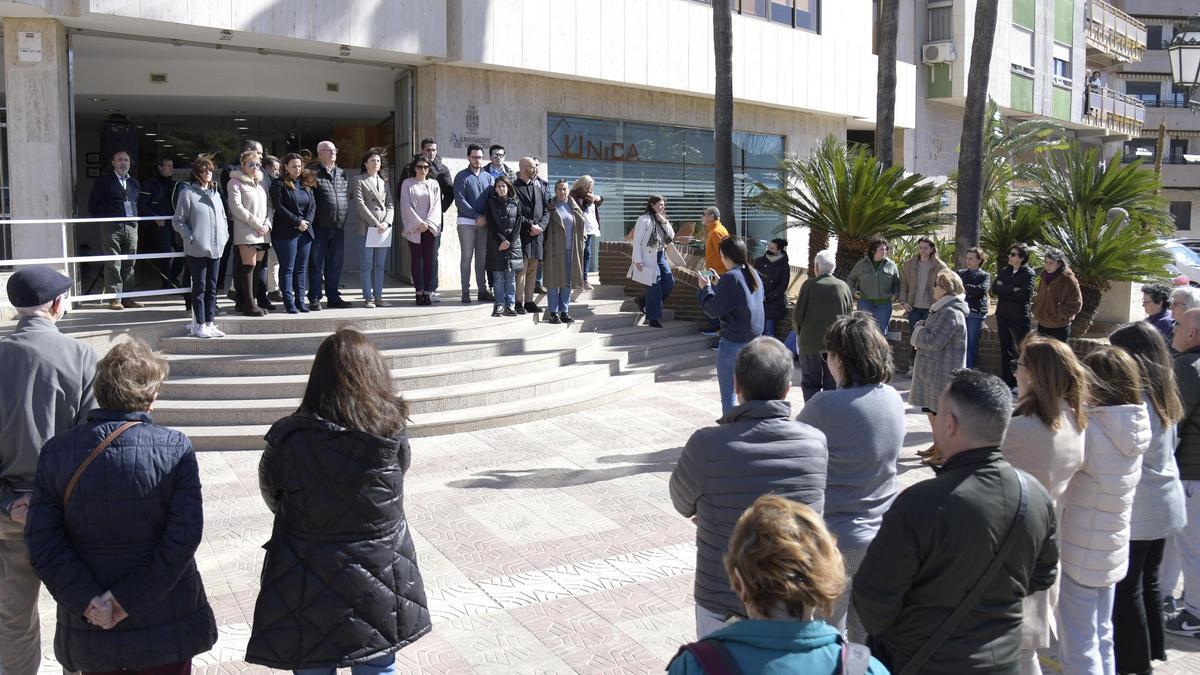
x: 1021, y: 46
x: 1182, y: 213
x: 941, y: 20
x: 632, y: 160
x: 1147, y: 91
x: 1154, y: 37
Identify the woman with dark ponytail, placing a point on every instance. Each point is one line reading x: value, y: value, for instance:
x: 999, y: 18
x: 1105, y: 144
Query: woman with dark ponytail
x: 737, y: 301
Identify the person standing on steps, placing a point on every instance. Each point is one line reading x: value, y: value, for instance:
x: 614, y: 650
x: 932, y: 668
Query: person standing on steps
x: 295, y: 208
x: 156, y: 199
x: 472, y: 186
x: 535, y: 215
x: 497, y: 168
x: 272, y: 169
x: 651, y: 235
x: 977, y: 284
x: 583, y: 192
x: 503, y: 213
x: 420, y: 197
x: 1014, y: 289
x: 442, y: 176
x: 222, y: 180
x: 373, y: 201
x: 46, y: 390
x: 115, y: 195
x: 332, y: 194
x: 737, y: 302
x: 251, y: 209
x: 200, y: 221
x: 564, y: 253
x: 875, y: 281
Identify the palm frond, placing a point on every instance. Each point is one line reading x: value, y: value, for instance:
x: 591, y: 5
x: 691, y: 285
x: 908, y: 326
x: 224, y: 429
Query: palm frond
x: 1075, y: 179
x: 1100, y: 253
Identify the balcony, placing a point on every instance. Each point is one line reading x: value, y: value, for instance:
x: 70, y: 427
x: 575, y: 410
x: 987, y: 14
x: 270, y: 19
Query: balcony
x: 1113, y: 111
x: 1114, y: 33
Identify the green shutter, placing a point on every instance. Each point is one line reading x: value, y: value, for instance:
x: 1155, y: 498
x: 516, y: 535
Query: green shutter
x: 1024, y: 13
x: 1022, y: 93
x: 1060, y: 103
x: 1064, y: 21
x: 939, y: 80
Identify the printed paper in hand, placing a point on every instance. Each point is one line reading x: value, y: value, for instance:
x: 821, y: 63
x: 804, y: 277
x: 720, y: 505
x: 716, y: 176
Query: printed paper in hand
x: 376, y: 240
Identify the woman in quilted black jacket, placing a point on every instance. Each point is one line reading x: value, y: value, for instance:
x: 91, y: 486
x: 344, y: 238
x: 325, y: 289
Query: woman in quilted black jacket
x: 340, y: 584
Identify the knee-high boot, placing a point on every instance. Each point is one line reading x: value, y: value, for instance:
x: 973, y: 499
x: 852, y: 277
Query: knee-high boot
x: 260, y: 284
x: 250, y: 307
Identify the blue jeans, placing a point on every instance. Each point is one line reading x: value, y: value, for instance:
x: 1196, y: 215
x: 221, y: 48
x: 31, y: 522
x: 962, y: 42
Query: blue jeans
x: 383, y: 665
x: 588, y: 243
x: 504, y: 287
x: 791, y: 342
x: 325, y: 263
x: 293, y: 267
x: 204, y: 287
x: 726, y: 355
x: 1085, y: 640
x: 658, y: 292
x: 373, y: 262
x: 881, y: 312
x: 974, y: 328
x: 559, y: 299
x: 769, y: 327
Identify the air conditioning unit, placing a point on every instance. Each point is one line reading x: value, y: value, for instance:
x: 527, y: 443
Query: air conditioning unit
x: 938, y: 52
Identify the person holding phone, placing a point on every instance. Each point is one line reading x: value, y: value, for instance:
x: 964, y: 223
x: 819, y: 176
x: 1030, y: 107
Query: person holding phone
x: 737, y: 302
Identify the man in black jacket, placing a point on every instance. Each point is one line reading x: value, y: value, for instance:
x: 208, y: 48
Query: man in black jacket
x: 115, y: 195
x: 332, y: 195
x: 156, y: 199
x: 941, y: 534
x: 535, y: 215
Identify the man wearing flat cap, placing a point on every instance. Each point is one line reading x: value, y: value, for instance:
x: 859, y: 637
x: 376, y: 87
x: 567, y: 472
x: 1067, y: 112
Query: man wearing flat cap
x: 46, y: 389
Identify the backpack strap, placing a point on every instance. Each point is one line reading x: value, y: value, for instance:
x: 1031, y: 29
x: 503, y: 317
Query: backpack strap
x: 856, y: 658
x: 713, y: 656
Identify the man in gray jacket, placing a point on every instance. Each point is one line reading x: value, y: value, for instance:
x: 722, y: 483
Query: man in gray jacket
x: 1186, y: 623
x: 754, y: 450
x: 47, y: 389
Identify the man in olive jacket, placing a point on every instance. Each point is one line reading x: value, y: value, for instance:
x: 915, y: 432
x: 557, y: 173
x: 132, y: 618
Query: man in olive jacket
x: 941, y: 534
x: 822, y: 300
x: 754, y: 450
x: 1186, y: 341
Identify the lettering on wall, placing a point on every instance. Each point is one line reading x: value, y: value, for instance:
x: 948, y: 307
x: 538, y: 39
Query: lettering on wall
x: 472, y: 120
x: 579, y: 146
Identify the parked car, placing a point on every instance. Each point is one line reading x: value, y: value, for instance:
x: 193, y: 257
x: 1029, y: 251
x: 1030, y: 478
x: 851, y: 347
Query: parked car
x: 1185, y: 259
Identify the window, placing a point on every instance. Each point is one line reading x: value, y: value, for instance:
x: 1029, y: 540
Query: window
x: 1178, y: 148
x: 782, y: 11
x: 941, y: 21
x: 1182, y: 213
x: 1021, y: 46
x: 802, y: 14
x: 1176, y: 99
x: 807, y: 15
x: 1147, y: 91
x: 1062, y: 61
x: 1140, y: 148
x: 1154, y: 37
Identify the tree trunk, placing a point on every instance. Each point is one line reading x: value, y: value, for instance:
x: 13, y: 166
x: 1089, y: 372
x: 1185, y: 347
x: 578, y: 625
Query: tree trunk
x: 818, y: 240
x: 885, y: 100
x: 970, y: 158
x: 723, y: 112
x: 849, y: 252
x: 1087, y: 314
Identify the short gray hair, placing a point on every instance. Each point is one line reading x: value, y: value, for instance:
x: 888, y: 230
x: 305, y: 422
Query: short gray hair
x: 38, y: 310
x: 1188, y: 295
x: 982, y: 403
x: 763, y: 370
x: 713, y: 211
x: 825, y: 261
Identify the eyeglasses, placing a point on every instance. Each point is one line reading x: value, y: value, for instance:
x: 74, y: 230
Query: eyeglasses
x: 825, y: 357
x: 1020, y: 363
x: 422, y: 166
x: 1014, y: 254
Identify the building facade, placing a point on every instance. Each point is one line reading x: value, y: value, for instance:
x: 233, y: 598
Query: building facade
x: 621, y: 90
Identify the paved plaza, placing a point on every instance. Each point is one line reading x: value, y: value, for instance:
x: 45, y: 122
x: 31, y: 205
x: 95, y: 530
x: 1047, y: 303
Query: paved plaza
x: 546, y: 547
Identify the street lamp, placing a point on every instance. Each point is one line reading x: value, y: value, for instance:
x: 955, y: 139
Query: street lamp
x: 1184, y: 51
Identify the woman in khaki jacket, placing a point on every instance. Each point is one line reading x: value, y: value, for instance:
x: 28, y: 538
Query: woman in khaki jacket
x: 376, y: 210
x: 563, y: 254
x: 1058, y: 298
x: 251, y: 211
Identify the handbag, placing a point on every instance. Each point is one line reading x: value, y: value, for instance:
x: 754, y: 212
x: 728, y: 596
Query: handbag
x: 92, y: 457
x: 951, y: 623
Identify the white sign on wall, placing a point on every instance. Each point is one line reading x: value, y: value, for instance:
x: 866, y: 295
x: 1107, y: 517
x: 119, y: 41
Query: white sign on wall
x: 29, y: 47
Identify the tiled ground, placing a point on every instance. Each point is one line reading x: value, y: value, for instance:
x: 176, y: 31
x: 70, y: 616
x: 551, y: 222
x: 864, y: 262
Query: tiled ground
x: 549, y: 547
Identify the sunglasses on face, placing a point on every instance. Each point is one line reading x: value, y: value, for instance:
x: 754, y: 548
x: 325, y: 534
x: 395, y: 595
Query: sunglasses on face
x: 1014, y: 254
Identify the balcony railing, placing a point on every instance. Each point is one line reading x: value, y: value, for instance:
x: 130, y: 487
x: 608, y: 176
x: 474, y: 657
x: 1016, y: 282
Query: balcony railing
x: 1114, y: 32
x: 1114, y: 111
x: 1148, y: 158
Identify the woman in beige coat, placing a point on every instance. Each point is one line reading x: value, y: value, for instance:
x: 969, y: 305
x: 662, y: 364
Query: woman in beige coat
x: 251, y: 211
x: 373, y: 201
x: 1045, y: 439
x: 563, y: 253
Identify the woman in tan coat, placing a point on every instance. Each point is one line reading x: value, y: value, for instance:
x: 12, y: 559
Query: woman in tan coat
x: 563, y: 253
x: 1045, y: 439
x: 376, y: 211
x: 1058, y: 298
x: 251, y: 211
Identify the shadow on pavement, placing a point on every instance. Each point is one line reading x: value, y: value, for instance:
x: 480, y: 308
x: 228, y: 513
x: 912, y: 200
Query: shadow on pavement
x: 661, y: 461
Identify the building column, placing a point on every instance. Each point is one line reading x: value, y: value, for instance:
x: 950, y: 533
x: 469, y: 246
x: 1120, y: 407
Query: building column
x: 39, y: 132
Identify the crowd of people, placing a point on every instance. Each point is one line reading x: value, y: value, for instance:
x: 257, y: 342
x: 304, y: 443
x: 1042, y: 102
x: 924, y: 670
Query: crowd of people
x: 283, y: 223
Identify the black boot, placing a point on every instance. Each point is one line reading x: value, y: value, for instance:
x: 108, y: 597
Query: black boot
x: 260, y: 285
x: 249, y: 306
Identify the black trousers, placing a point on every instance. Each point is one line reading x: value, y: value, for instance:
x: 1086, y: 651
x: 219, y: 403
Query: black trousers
x: 1063, y: 333
x: 1137, y: 610
x: 1012, y: 332
x: 204, y: 288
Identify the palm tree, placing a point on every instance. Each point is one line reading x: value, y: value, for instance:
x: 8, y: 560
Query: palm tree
x: 845, y: 192
x: 885, y: 99
x: 970, y: 158
x: 1004, y: 226
x: 1074, y: 179
x: 1101, y: 252
x: 1005, y: 147
x: 723, y: 112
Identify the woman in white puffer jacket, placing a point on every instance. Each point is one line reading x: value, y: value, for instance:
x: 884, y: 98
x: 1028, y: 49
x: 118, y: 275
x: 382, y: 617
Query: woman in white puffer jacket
x: 1096, y: 508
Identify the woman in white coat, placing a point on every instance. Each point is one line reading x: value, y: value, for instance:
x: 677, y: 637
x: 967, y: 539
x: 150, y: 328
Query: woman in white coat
x: 1096, y: 508
x: 420, y: 204
x: 251, y: 211
x: 1158, y: 505
x: 651, y: 236
x: 1045, y: 440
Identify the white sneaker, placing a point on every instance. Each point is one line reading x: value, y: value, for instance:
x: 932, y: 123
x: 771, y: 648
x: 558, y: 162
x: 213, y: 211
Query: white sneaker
x: 201, y: 331
x: 213, y: 331
x: 433, y: 297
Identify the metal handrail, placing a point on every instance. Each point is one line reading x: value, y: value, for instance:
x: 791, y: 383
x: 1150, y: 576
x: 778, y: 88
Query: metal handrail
x: 66, y: 261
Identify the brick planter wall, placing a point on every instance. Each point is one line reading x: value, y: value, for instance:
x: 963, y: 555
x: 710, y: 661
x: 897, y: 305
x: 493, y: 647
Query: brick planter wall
x: 615, y: 258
